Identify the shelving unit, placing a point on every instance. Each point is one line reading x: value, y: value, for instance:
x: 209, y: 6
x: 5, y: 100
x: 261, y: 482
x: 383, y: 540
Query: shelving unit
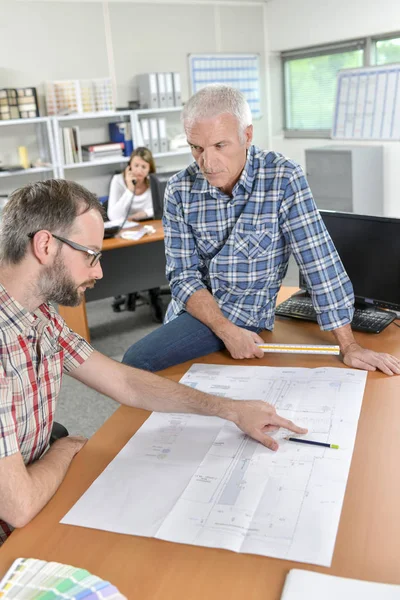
x: 31, y: 171
x: 37, y: 135
x: 172, y: 115
x: 93, y: 128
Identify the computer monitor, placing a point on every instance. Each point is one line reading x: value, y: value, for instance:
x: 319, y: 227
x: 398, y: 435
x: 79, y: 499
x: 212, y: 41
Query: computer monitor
x: 158, y: 183
x: 369, y: 248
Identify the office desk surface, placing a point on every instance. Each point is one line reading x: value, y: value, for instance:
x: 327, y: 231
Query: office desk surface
x: 368, y: 540
x: 119, y: 242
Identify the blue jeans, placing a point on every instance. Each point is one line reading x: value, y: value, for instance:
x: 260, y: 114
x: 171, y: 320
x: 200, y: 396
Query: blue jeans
x: 182, y: 339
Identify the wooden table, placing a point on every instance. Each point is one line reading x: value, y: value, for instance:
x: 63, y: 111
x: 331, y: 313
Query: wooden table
x: 130, y: 267
x: 368, y: 541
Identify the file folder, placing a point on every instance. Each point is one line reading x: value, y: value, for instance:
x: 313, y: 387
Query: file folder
x: 148, y: 94
x: 169, y: 88
x: 145, y: 127
x: 155, y: 144
x: 162, y: 94
x: 162, y: 135
x: 176, y: 78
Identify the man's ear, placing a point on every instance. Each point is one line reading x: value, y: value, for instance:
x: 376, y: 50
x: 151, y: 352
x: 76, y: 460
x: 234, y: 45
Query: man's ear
x: 44, y: 247
x: 248, y: 133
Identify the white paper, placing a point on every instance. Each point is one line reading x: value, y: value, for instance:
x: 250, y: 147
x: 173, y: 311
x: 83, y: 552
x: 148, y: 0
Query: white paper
x: 200, y: 480
x: 307, y: 585
x: 133, y: 235
x: 118, y: 223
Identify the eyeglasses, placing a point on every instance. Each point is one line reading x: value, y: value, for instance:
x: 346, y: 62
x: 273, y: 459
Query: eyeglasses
x: 94, y: 255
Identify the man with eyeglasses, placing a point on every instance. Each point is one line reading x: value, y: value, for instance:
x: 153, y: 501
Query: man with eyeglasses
x: 50, y: 247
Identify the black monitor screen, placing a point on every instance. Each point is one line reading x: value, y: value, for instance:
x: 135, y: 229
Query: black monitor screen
x: 369, y: 248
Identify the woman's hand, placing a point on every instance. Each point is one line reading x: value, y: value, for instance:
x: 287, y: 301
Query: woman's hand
x: 128, y: 176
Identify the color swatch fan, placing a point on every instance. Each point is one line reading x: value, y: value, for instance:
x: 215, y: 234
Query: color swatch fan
x: 32, y: 579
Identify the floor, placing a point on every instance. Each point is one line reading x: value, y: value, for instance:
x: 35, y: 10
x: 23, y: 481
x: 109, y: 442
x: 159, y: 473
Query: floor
x: 81, y: 409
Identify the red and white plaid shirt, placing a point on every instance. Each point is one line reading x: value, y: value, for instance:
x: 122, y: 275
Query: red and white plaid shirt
x: 35, y: 350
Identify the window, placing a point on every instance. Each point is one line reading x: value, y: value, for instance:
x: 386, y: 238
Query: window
x: 310, y: 86
x: 387, y: 50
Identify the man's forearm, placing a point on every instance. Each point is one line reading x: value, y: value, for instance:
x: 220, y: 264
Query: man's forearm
x: 45, y: 477
x: 344, y: 337
x: 203, y: 307
x: 154, y: 393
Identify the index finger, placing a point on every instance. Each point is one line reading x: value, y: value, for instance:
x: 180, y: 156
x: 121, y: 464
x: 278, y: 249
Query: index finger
x: 287, y: 424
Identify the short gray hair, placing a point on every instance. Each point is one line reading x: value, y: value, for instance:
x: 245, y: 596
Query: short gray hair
x: 53, y: 204
x: 216, y: 99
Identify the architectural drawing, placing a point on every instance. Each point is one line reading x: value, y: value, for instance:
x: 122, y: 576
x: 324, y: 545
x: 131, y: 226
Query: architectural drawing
x: 201, y: 481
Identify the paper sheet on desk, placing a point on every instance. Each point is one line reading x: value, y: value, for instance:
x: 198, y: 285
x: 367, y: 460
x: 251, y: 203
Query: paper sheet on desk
x: 118, y: 222
x: 307, y: 585
x: 199, y: 480
x: 133, y: 235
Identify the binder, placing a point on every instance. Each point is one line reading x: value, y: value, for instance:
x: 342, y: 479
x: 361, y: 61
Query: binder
x: 155, y: 144
x: 162, y: 94
x: 176, y: 78
x: 148, y: 94
x: 169, y: 89
x: 121, y: 132
x: 162, y: 135
x: 145, y: 126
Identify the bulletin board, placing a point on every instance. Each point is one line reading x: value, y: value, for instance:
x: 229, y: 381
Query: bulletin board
x: 241, y: 71
x: 368, y: 104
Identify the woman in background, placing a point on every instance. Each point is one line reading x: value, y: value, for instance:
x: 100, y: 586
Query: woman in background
x: 132, y: 187
x: 130, y: 190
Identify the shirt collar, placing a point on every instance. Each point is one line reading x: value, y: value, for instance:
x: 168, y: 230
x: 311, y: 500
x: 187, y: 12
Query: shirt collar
x: 14, y: 317
x: 246, y: 179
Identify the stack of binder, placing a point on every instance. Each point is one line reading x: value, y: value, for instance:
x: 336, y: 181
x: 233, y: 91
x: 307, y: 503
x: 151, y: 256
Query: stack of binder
x: 159, y: 90
x: 102, y: 151
x: 154, y: 133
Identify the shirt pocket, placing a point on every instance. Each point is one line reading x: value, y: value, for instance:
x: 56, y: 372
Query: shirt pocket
x: 208, y: 245
x: 252, y: 241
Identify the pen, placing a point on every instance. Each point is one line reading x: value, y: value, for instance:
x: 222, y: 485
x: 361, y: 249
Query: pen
x: 292, y: 439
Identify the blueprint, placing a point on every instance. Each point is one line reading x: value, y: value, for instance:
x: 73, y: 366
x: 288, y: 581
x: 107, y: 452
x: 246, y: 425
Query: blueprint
x: 200, y: 480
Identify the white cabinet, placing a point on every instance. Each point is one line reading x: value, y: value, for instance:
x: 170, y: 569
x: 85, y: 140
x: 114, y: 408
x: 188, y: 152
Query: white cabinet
x: 37, y: 136
x: 347, y: 178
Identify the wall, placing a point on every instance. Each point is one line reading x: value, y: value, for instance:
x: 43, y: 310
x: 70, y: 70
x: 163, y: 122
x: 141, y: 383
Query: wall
x: 61, y: 40
x: 292, y: 25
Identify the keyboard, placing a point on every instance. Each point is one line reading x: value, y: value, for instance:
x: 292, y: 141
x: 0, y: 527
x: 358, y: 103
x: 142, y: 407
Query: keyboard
x: 369, y: 320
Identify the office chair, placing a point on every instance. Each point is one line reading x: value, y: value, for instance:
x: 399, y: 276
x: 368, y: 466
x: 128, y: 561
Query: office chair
x: 58, y: 431
x: 158, y: 183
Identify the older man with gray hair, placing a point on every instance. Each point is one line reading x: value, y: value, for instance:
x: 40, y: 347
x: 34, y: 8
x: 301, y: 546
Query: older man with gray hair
x: 231, y: 221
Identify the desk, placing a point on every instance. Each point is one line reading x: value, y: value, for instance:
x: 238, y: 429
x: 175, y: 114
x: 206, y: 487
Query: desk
x: 368, y: 541
x: 130, y: 267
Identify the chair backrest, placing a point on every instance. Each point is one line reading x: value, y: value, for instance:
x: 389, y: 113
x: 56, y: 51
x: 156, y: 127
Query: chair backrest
x: 158, y: 183
x: 104, y: 202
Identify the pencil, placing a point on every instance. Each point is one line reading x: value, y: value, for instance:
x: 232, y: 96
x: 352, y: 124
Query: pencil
x: 301, y: 441
x: 300, y: 348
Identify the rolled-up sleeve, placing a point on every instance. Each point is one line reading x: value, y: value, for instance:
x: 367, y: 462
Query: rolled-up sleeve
x: 8, y: 428
x: 182, y: 260
x: 327, y: 281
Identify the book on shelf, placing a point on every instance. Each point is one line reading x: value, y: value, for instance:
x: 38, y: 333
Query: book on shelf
x: 102, y: 151
x: 90, y: 156
x: 103, y: 147
x: 71, y: 145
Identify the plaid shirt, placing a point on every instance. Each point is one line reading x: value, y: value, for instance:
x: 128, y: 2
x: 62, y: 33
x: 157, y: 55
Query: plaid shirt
x: 36, y: 348
x: 238, y: 248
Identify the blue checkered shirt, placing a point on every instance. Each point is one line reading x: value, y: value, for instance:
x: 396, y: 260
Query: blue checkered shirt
x: 238, y: 248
